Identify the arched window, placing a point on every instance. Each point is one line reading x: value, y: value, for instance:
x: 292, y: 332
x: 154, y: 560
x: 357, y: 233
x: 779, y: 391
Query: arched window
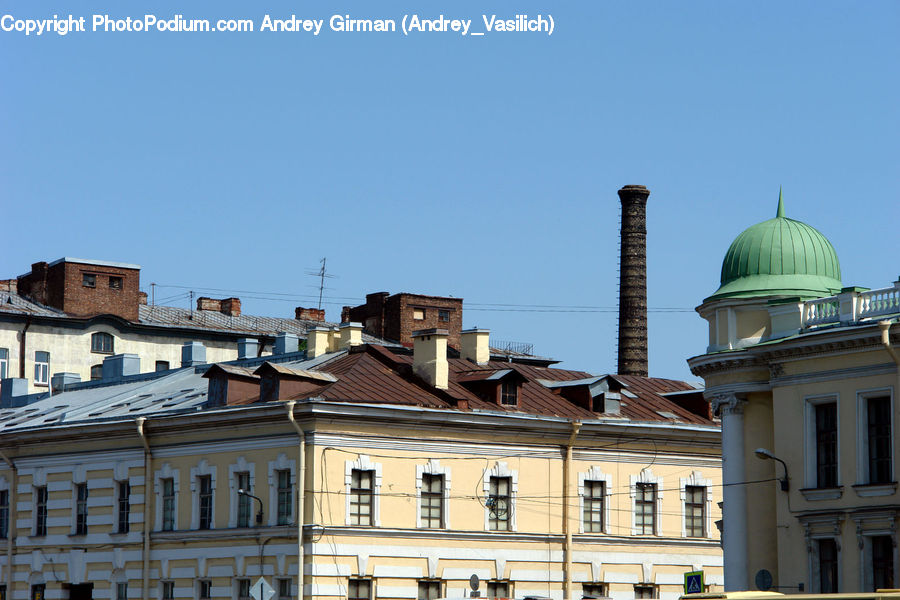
x: 102, y: 343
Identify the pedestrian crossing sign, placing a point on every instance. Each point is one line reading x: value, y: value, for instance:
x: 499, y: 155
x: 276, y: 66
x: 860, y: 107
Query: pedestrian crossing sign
x: 693, y: 582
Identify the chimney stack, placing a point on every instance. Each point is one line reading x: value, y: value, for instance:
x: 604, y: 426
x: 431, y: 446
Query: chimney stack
x: 633, y: 282
x: 430, y: 356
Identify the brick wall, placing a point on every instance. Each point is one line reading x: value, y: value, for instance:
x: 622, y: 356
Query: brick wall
x: 394, y: 317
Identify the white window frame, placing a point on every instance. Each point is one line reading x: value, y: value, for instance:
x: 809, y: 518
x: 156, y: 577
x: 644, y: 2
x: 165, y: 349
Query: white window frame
x: 363, y: 463
x: 41, y: 369
x: 501, y: 469
x: 166, y: 472
x: 6, y: 487
x: 38, y: 480
x: 810, y: 446
x: 595, y: 473
x: 696, y: 480
x: 4, y: 363
x: 862, y: 433
x: 203, y: 468
x: 281, y: 463
x: 646, y: 476
x: 241, y: 466
x: 433, y: 467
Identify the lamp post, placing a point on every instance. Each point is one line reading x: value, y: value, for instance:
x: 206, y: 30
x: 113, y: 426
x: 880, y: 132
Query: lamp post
x: 259, y: 515
x: 763, y: 454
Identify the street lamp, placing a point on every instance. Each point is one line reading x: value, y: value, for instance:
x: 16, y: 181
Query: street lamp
x: 259, y: 515
x: 763, y: 454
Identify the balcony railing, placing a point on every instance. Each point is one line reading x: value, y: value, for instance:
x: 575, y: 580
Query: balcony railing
x: 852, y: 306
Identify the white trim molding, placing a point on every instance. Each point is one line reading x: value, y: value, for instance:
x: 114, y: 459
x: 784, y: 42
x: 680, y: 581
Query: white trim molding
x: 501, y: 469
x: 281, y: 463
x: 166, y: 472
x: 363, y: 463
x: 240, y: 466
x: 433, y: 467
x: 696, y: 480
x: 202, y: 468
x: 595, y: 473
x: 646, y: 476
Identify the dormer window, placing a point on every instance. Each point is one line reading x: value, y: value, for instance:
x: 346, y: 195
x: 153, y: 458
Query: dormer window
x: 509, y: 393
x: 598, y: 403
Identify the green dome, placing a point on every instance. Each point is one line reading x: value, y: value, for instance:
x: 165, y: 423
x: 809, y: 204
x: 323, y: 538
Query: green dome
x: 780, y: 257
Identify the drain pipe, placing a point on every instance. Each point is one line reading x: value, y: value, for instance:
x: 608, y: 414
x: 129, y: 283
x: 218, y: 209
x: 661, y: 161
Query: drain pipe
x: 147, y: 495
x: 11, y: 521
x: 567, y: 495
x: 301, y: 492
x: 885, y: 327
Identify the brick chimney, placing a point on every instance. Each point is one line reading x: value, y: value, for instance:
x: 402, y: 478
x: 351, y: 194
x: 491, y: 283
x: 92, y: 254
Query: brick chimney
x: 309, y: 314
x: 633, y: 282
x: 227, y: 306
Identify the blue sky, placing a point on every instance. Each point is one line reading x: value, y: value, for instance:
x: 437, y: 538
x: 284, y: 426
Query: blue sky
x: 484, y: 168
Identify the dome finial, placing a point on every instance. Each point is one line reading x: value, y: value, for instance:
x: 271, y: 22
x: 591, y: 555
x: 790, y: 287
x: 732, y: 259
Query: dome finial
x: 779, y: 214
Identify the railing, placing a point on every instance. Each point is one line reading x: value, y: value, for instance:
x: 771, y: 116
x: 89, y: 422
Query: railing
x: 878, y: 302
x: 821, y: 311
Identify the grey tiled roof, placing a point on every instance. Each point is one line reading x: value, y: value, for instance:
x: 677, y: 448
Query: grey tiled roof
x: 14, y: 303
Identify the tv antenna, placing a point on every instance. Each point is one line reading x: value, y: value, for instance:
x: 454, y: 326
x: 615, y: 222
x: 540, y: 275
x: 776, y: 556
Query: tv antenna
x: 322, y: 275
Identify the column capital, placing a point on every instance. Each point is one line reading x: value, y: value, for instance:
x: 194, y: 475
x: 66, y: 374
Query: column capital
x: 729, y: 403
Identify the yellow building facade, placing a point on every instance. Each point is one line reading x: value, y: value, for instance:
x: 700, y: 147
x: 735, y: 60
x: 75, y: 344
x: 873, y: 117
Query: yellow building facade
x: 804, y: 373
x: 381, y: 483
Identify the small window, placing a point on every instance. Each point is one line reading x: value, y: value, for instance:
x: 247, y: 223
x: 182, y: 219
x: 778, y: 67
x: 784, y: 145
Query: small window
x: 168, y: 590
x: 4, y: 362
x: 695, y: 511
x: 828, y: 566
x: 115, y: 283
x: 205, y: 589
x: 594, y: 590
x: 97, y: 372
x: 89, y: 280
x: 168, y: 504
x: 284, y: 589
x: 359, y: 589
x: 40, y: 510
x: 162, y: 365
x: 242, y: 480
x: 498, y: 589
x: 41, y: 368
x: 124, y: 502
x: 285, y: 496
x: 429, y: 589
x: 444, y: 316
x: 243, y: 589
x: 432, y: 501
x: 122, y: 590
x: 509, y: 393
x: 4, y: 514
x: 361, y: 497
x: 498, y: 504
x: 419, y: 314
x: 206, y: 501
x: 102, y: 343
x: 645, y: 512
x: 594, y: 498
x: 81, y: 508
x: 644, y: 590
x: 37, y: 591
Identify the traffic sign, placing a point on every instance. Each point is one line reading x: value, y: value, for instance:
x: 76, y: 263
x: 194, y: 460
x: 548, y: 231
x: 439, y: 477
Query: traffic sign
x: 693, y: 582
x: 261, y: 590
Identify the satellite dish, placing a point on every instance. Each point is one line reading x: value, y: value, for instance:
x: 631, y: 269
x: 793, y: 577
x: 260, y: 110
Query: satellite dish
x: 763, y: 580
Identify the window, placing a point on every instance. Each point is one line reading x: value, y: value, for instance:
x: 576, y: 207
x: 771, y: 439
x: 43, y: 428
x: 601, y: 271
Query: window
x: 645, y: 512
x: 826, y: 445
x: 243, y: 589
x: 432, y: 500
x: 124, y: 502
x: 498, y: 503
x: 878, y: 412
x: 429, y: 589
x: 2, y: 592
x: 882, y: 562
x: 204, y: 590
x: 643, y: 590
x: 4, y: 362
x: 594, y: 497
x: 359, y: 589
x: 284, y: 588
x: 361, y: 497
x: 419, y: 314
x: 498, y: 589
x: 444, y: 316
x: 594, y: 590
x: 81, y: 508
x: 41, y: 368
x: 168, y: 503
x: 695, y: 511
x: 88, y: 280
x: 242, y: 480
x: 168, y: 590
x: 122, y: 591
x: 40, y: 510
x: 37, y: 591
x: 96, y: 372
x: 828, y: 566
x: 101, y: 343
x: 509, y: 393
x: 206, y: 501
x: 162, y: 365
x: 285, y: 496
x: 4, y: 514
x: 115, y: 283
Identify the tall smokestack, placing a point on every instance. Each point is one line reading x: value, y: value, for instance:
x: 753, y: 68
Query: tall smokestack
x: 633, y: 282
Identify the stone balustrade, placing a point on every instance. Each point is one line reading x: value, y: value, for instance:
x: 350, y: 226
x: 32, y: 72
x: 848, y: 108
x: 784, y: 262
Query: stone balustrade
x: 852, y: 305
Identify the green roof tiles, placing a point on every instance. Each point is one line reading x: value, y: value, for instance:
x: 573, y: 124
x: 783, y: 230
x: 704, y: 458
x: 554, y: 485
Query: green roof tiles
x: 779, y: 257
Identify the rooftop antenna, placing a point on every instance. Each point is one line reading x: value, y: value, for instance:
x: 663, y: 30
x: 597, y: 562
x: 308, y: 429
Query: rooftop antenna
x: 322, y: 275
x: 191, y: 306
